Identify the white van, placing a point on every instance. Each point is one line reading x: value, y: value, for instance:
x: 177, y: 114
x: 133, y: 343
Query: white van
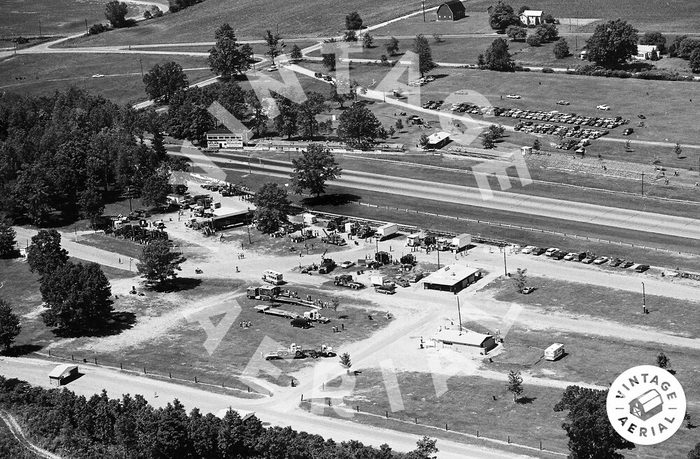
x: 273, y: 277
x: 554, y: 351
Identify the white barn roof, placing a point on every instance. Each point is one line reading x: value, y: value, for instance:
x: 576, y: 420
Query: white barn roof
x: 450, y: 275
x: 465, y: 337
x: 532, y: 13
x: 63, y: 370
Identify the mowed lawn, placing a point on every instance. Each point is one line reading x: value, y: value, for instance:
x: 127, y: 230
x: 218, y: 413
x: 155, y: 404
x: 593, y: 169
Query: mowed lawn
x: 250, y: 19
x: 467, y: 406
x: 667, y: 16
x: 679, y: 317
x: 36, y: 75
x: 57, y: 17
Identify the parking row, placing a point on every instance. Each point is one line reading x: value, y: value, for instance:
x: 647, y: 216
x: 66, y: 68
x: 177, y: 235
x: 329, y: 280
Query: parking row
x: 559, y: 117
x: 584, y: 257
x: 564, y: 131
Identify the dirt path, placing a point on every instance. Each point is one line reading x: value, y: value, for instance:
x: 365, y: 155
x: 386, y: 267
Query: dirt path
x: 18, y: 433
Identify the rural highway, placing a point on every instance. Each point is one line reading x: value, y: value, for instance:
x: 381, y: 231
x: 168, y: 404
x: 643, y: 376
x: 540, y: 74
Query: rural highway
x: 615, y: 217
x: 158, y: 393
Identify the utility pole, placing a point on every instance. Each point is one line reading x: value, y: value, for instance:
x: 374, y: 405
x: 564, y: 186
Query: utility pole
x: 250, y: 241
x: 644, y: 300
x: 423, y: 6
x: 438, y: 252
x: 459, y: 315
x: 141, y: 64
x: 87, y: 29
x: 39, y: 28
x: 505, y: 266
x: 642, y: 184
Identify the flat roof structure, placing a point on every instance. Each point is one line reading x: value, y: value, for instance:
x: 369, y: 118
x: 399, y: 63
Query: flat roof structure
x: 452, y: 278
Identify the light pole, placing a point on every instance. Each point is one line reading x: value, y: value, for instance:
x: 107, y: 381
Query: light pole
x: 459, y: 315
x: 438, y: 252
x: 644, y: 300
x: 642, y: 184
x: 505, y: 266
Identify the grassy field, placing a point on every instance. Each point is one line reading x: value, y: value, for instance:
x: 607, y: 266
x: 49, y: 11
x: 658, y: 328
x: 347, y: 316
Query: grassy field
x: 180, y: 351
x: 250, y: 18
x: 44, y: 74
x: 467, y: 406
x: 675, y: 316
x: 672, y: 15
x: 598, y: 360
x: 112, y: 244
x: 61, y: 17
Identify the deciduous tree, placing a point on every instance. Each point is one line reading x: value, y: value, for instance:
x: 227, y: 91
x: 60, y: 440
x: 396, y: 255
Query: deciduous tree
x: 516, y: 33
x: 296, y: 53
x: 7, y: 239
x: 227, y: 57
x: 694, y: 61
x: 590, y: 433
x: 9, y: 325
x: 367, y: 40
x: 533, y: 40
x: 164, y: 80
x: 654, y: 38
x: 359, y: 127
x: 561, y: 49
x: 392, y: 46
x: 77, y: 297
x: 272, y: 207
x: 313, y: 169
x: 158, y: 262
x: 497, y: 56
x: 156, y: 189
x: 353, y: 21
x: 345, y: 360
x: 274, y: 45
x: 501, y: 15
x: 612, y: 43
x: 115, y: 12
x: 425, y: 55
x: 520, y: 280
x: 45, y: 253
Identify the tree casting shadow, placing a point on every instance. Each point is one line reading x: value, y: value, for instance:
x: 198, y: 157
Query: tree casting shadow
x: 335, y: 199
x: 179, y: 284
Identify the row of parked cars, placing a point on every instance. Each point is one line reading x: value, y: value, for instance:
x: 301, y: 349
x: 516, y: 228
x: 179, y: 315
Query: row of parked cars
x: 559, y: 117
x: 584, y: 257
x: 553, y: 129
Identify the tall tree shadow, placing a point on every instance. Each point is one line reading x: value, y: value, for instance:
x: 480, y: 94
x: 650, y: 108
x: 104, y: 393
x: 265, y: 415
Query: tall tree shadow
x: 334, y: 199
x: 179, y: 284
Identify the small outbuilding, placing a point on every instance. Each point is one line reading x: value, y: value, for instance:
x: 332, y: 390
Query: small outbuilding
x: 234, y: 136
x: 466, y: 339
x: 452, y: 10
x: 63, y: 373
x: 437, y: 140
x: 531, y: 17
x: 452, y: 278
x: 646, y: 52
x: 554, y: 351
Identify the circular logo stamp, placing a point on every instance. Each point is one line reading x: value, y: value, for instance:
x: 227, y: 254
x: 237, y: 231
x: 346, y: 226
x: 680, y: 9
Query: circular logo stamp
x: 646, y: 405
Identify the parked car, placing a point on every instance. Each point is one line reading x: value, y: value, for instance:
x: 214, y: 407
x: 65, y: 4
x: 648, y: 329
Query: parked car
x: 513, y: 96
x: 641, y: 268
x: 558, y: 255
x: 272, y: 68
x: 570, y: 256
x: 529, y: 249
x: 588, y: 260
x: 563, y: 102
x: 615, y: 262
x: 600, y: 260
x: 347, y: 264
x: 603, y: 107
x: 550, y: 251
x: 626, y: 264
x: 527, y: 290
x: 98, y: 75
x: 627, y: 131
x: 538, y: 251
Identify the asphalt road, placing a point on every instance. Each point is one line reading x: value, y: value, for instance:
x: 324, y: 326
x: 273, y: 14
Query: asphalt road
x: 615, y: 217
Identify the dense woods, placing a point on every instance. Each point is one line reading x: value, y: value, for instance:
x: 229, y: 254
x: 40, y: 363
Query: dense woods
x: 75, y: 426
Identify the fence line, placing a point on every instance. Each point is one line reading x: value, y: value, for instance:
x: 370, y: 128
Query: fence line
x: 414, y: 421
x: 97, y: 362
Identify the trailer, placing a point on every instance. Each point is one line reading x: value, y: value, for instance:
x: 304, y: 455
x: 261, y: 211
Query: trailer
x: 334, y: 239
x: 316, y: 316
x: 295, y: 351
x: 219, y: 222
x: 414, y: 240
x: 377, y: 280
x: 442, y: 243
x: 273, y: 277
x: 387, y: 230
x: 387, y: 289
x: 460, y: 242
x: 345, y: 280
x: 270, y: 310
x: 554, y: 351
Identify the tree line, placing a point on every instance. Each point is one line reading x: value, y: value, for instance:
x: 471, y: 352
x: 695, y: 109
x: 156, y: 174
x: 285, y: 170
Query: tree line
x: 64, y: 156
x: 130, y: 427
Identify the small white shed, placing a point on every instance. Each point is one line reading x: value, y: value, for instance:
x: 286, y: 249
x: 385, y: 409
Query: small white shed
x: 58, y: 375
x: 554, y: 351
